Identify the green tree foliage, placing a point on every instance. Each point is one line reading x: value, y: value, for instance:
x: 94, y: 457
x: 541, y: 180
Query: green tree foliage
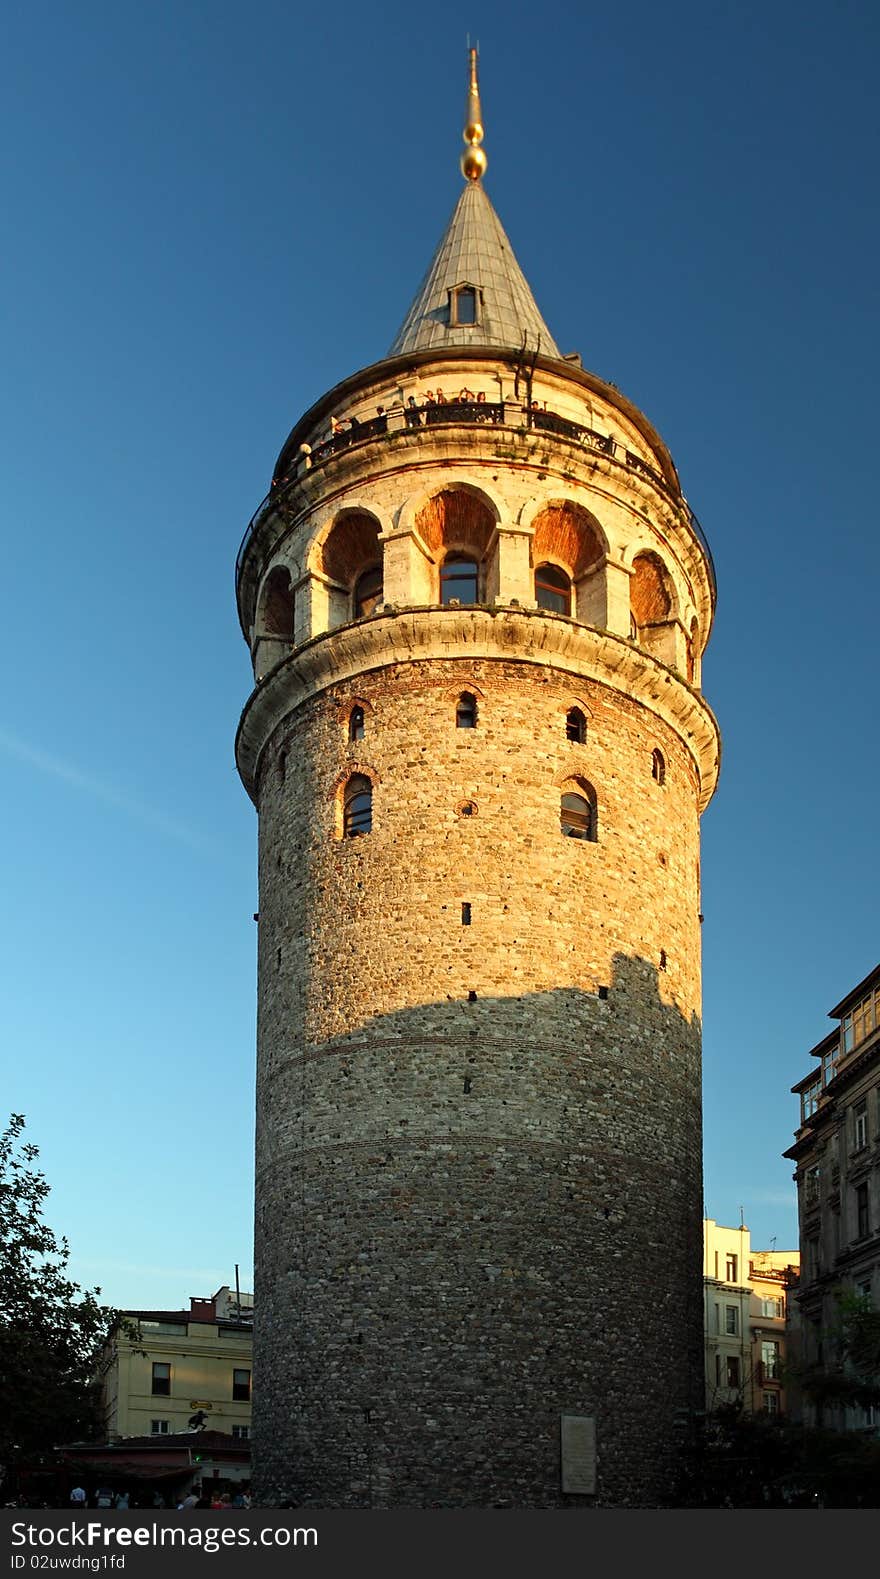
x: 50, y: 1328
x: 739, y: 1460
x: 852, y: 1375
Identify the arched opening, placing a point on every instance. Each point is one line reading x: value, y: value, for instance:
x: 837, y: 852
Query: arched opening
x: 276, y: 617
x: 576, y: 725
x: 357, y: 806
x: 650, y: 599
x: 356, y: 724
x: 567, y: 540
x: 351, y: 559
x: 578, y: 810
x: 658, y: 767
x: 552, y: 589
x: 457, y: 526
x: 459, y: 580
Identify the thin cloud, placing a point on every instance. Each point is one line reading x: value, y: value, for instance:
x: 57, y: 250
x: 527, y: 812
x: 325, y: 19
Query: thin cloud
x: 68, y: 773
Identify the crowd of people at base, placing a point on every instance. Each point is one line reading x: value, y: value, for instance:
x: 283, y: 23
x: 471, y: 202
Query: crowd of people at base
x: 121, y: 1500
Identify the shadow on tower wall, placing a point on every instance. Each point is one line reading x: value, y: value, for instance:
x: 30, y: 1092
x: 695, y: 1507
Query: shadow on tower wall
x: 475, y: 1216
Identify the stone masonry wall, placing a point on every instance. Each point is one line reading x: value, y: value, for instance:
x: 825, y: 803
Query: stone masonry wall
x: 478, y: 1171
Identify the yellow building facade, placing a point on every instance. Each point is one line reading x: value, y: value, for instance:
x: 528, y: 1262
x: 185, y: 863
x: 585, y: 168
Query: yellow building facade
x: 162, y: 1368
x: 746, y: 1295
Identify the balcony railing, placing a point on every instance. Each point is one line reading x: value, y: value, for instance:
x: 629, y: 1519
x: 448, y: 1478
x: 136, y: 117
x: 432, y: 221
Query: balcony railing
x: 468, y: 412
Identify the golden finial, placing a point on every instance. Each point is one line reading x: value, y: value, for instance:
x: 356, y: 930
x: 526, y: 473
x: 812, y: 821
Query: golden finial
x: 473, y: 160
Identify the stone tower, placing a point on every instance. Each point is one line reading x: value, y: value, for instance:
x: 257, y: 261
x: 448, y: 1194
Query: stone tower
x: 476, y: 601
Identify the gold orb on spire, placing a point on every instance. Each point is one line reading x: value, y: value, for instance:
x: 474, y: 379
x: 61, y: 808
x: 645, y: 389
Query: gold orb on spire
x: 473, y: 163
x: 473, y: 160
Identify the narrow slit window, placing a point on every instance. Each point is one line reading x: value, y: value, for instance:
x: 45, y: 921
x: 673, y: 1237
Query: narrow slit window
x: 357, y: 807
x: 356, y: 724
x: 576, y: 725
x: 466, y: 711
x: 577, y: 816
x: 466, y: 915
x: 658, y: 767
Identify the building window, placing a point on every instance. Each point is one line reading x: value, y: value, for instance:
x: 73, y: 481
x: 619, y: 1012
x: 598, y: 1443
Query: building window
x: 552, y: 589
x: 732, y: 1267
x: 829, y: 1063
x: 733, y: 1370
x: 241, y: 1387
x: 731, y: 1320
x: 466, y: 711
x: 575, y: 726
x: 357, y: 806
x: 240, y: 1433
x: 459, y: 580
x: 771, y: 1403
x: 863, y: 1226
x: 811, y: 1186
x: 368, y: 592
x: 658, y: 767
x: 464, y: 306
x: 771, y: 1368
x: 161, y: 1377
x: 810, y: 1100
x: 860, y: 1125
x: 860, y: 1020
x: 577, y: 817
x: 159, y: 1427
x: 356, y: 726
x: 772, y: 1307
x: 814, y: 1264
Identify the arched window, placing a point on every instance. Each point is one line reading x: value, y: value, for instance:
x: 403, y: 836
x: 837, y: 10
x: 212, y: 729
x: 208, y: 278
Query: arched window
x: 356, y: 724
x: 357, y: 806
x: 466, y: 711
x: 658, y: 767
x: 575, y: 725
x: 577, y: 814
x: 368, y: 592
x: 277, y: 604
x: 459, y: 579
x: 552, y: 589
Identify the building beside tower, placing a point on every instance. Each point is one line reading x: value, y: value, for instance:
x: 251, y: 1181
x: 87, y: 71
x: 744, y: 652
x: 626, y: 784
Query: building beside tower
x: 747, y: 1327
x: 836, y: 1153
x: 476, y: 601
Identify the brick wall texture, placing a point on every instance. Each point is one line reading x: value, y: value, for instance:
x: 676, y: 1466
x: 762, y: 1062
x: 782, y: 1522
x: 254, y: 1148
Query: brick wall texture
x: 478, y: 1178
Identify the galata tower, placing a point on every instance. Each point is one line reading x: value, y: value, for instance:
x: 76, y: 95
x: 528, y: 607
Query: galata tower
x: 476, y: 601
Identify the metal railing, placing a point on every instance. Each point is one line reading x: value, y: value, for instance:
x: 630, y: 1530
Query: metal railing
x: 456, y: 413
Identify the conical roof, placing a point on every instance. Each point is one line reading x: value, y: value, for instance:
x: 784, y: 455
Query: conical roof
x: 474, y: 251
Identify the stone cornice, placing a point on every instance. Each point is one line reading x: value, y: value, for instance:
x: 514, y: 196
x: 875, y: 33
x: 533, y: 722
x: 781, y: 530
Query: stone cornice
x: 462, y: 634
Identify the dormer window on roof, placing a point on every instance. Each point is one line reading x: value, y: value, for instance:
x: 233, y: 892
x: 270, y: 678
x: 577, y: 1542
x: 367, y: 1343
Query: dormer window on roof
x: 465, y: 305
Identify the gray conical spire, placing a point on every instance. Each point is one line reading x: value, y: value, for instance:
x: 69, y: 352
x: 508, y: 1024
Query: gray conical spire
x: 475, y: 252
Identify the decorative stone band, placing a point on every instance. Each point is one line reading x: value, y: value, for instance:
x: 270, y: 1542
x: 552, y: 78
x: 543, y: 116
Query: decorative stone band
x: 510, y: 634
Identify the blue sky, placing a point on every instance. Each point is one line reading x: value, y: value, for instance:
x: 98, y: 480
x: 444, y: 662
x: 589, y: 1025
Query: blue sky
x: 217, y: 211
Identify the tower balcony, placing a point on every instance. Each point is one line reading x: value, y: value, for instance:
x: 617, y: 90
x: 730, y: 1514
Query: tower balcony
x: 283, y: 497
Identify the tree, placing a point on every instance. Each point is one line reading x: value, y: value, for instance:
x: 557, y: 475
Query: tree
x: 50, y: 1327
x: 852, y: 1376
